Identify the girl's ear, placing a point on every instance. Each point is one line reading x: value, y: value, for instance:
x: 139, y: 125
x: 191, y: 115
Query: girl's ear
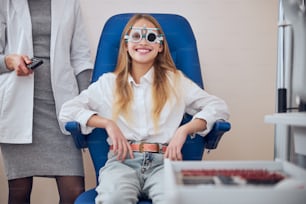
x: 161, y: 47
x: 125, y: 47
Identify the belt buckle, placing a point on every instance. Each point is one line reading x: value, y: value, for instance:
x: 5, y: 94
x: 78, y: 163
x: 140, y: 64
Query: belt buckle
x: 158, y: 148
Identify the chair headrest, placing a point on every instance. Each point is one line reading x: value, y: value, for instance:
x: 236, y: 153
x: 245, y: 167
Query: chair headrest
x: 178, y: 32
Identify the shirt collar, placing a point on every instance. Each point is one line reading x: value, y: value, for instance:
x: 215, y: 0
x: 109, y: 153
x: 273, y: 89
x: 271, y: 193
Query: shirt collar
x: 148, y: 77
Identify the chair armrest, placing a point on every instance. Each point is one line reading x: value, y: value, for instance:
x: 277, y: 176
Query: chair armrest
x: 79, y: 139
x: 213, y: 137
x: 194, y: 146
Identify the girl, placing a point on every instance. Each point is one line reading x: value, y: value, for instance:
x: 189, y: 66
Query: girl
x: 141, y: 105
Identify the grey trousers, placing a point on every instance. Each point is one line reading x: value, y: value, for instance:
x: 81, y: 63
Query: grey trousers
x: 124, y: 182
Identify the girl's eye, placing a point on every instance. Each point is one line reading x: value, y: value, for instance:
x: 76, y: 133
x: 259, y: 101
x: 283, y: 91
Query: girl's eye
x: 136, y: 36
x: 151, y: 37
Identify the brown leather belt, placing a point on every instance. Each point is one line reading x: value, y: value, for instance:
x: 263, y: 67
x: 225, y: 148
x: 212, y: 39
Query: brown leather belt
x: 147, y: 147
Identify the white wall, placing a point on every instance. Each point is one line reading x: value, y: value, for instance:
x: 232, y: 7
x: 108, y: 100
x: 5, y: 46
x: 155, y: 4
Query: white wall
x: 237, y: 46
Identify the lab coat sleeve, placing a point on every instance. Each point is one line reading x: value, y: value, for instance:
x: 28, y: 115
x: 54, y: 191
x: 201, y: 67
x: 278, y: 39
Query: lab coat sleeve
x: 200, y: 104
x: 80, y: 52
x: 3, y: 68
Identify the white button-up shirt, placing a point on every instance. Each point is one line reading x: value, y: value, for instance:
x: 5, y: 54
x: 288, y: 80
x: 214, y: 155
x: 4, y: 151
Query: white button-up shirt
x: 98, y: 99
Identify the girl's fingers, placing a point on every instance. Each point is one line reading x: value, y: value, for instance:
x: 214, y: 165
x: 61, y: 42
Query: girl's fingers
x: 130, y: 151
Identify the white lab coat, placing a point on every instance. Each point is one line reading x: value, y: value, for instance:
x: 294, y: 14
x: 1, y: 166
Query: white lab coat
x: 69, y: 55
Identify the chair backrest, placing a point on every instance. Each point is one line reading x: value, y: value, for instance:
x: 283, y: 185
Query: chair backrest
x: 184, y: 52
x: 179, y: 35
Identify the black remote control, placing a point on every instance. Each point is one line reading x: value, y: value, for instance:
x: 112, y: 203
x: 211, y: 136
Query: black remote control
x: 35, y: 63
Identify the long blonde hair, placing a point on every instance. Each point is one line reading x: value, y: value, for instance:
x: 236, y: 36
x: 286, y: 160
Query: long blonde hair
x: 163, y: 64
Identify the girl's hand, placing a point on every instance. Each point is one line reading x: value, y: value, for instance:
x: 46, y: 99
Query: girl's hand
x: 121, y: 146
x: 19, y: 64
x: 174, y: 148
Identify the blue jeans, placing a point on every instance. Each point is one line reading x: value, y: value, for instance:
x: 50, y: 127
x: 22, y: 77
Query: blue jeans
x: 124, y: 182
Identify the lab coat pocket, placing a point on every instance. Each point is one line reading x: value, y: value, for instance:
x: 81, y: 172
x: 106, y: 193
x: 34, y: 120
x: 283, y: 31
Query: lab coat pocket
x: 5, y: 80
x: 16, y: 108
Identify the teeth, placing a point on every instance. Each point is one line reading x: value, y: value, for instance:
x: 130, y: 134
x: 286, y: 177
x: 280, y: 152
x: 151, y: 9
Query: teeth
x: 143, y: 50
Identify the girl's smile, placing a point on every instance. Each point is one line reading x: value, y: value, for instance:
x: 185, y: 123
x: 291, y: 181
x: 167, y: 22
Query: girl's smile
x: 143, y: 50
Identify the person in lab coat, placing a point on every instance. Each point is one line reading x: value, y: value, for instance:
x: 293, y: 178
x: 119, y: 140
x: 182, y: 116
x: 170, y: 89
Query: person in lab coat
x: 32, y: 140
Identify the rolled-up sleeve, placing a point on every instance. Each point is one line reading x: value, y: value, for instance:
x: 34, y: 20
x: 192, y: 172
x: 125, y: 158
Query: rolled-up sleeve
x: 82, y: 107
x: 200, y: 104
